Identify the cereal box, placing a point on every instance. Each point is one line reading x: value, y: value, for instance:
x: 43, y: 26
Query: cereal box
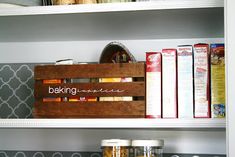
x: 217, y: 81
x: 201, y: 81
x: 169, y: 86
x: 185, y: 81
x: 153, y: 85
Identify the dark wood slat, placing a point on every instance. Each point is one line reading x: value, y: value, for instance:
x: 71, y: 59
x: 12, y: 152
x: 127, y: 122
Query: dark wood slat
x: 89, y: 71
x: 131, y: 109
x: 97, y: 109
x: 90, y: 89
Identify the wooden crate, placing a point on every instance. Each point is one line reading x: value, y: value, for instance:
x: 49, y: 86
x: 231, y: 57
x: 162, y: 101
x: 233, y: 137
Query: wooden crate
x: 89, y: 109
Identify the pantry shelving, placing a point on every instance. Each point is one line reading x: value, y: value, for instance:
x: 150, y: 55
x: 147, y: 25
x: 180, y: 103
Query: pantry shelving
x: 111, y: 7
x: 115, y: 123
x: 89, y: 24
x: 48, y: 33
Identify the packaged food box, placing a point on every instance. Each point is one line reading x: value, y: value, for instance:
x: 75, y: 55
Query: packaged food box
x: 126, y: 98
x: 217, y: 81
x: 185, y: 81
x: 153, y: 85
x: 201, y: 81
x: 169, y: 85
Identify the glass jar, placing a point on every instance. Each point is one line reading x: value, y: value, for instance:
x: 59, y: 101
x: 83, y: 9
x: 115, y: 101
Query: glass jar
x: 148, y: 148
x: 116, y: 148
x: 63, y: 2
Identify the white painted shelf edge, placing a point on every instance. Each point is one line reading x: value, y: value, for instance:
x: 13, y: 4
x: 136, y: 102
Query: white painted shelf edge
x: 115, y: 123
x: 111, y: 7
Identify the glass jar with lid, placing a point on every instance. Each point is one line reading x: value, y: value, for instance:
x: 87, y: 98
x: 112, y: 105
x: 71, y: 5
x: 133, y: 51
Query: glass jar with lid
x: 148, y: 148
x: 116, y: 147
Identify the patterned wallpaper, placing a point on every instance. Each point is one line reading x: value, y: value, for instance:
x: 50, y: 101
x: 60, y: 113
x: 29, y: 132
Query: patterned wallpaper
x: 48, y: 154
x: 16, y: 90
x: 81, y: 154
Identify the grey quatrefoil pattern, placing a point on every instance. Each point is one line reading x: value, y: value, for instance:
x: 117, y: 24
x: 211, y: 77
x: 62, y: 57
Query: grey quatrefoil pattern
x: 82, y: 154
x: 16, y: 90
x: 48, y: 154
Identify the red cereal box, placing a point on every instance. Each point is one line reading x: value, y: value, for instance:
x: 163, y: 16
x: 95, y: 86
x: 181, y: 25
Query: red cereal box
x: 169, y: 86
x: 201, y: 81
x: 153, y: 85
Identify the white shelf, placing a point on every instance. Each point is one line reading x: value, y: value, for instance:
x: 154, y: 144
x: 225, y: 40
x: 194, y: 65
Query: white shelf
x: 112, y: 7
x: 115, y: 123
x: 166, y: 19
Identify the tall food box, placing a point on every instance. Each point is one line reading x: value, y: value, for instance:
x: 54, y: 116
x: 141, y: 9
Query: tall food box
x: 201, y: 81
x: 185, y: 81
x: 169, y: 86
x: 153, y: 85
x: 217, y: 81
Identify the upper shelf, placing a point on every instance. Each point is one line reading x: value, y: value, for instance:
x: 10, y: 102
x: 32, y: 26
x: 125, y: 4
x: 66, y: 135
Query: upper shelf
x: 112, y: 7
x: 161, y: 19
x: 115, y: 123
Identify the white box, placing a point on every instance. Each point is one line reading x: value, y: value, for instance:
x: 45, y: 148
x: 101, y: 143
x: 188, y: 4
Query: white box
x: 201, y: 81
x: 185, y: 81
x: 153, y: 85
x: 169, y: 86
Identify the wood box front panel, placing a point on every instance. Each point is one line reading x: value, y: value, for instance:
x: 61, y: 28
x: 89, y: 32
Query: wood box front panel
x: 134, y: 108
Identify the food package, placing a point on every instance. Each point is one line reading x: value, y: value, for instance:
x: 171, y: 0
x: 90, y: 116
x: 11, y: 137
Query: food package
x: 63, y: 2
x: 201, y: 81
x: 86, y: 1
x: 153, y: 85
x: 217, y: 81
x: 185, y: 81
x: 124, y: 98
x: 169, y: 85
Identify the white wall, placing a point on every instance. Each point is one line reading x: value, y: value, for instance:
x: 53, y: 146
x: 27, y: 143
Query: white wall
x: 84, y: 51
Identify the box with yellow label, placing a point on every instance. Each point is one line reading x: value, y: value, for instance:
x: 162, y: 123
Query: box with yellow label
x: 217, y: 81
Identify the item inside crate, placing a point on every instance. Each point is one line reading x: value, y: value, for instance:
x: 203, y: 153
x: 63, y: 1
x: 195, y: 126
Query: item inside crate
x: 116, y: 52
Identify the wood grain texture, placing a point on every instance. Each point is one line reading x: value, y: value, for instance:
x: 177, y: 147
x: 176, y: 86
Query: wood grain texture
x: 130, y: 109
x: 105, y: 70
x: 133, y: 108
x: 90, y: 89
